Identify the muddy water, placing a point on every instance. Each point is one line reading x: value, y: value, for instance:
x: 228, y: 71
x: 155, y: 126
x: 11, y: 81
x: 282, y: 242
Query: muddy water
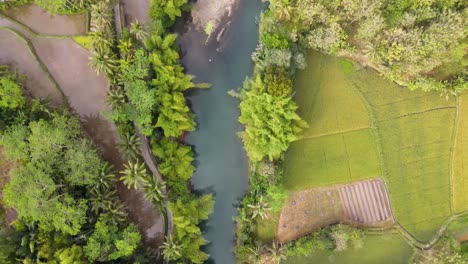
x: 21, y: 59
x: 221, y: 162
x: 67, y: 62
x: 136, y: 10
x: 39, y: 21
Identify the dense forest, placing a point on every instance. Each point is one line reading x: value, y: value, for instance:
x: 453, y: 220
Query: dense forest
x: 68, y: 208
x: 420, y: 44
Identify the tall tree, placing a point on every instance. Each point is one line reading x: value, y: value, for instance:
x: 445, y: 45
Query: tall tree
x: 134, y: 174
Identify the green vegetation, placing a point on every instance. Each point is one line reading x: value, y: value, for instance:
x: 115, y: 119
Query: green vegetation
x: 83, y: 41
x: 271, y: 125
x: 68, y: 208
x: 386, y: 248
x: 360, y: 126
x: 419, y: 127
x: 412, y: 42
x: 402, y: 146
x: 332, y: 159
x: 148, y: 85
x: 460, y: 159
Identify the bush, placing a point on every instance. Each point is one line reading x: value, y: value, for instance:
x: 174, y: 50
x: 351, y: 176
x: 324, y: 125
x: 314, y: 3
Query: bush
x: 271, y: 125
x: 274, y: 41
x: 277, y: 81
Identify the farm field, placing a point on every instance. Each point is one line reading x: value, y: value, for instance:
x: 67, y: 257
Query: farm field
x: 386, y: 248
x: 362, y: 203
x: 415, y: 131
x: 339, y: 146
x: 379, y: 130
x: 460, y: 158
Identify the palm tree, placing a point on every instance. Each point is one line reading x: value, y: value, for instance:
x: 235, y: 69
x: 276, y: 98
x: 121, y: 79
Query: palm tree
x: 277, y: 253
x: 154, y: 192
x: 130, y: 146
x: 125, y: 47
x: 106, y: 177
x: 101, y: 15
x: 115, y: 214
x: 170, y: 249
x: 283, y: 11
x: 134, y: 174
x: 100, y: 40
x: 115, y: 97
x: 373, y: 53
x: 102, y: 198
x: 260, y: 209
x: 255, y: 254
x: 137, y: 30
x: 102, y: 60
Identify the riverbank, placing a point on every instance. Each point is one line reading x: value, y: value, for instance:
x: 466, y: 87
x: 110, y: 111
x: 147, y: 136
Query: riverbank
x: 222, y: 164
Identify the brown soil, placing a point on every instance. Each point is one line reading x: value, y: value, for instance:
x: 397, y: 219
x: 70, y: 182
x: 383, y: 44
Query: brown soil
x: 136, y: 10
x: 41, y: 22
x: 308, y: 210
x: 363, y: 203
x: 68, y: 64
x: 148, y: 219
x: 20, y: 58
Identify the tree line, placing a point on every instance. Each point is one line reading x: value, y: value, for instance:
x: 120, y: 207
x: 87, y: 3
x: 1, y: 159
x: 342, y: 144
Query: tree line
x: 64, y: 193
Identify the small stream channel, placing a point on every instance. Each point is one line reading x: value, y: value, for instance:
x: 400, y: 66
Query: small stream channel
x: 221, y: 161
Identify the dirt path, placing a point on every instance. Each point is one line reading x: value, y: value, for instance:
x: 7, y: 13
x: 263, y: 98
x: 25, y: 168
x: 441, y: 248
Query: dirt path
x: 136, y: 10
x: 19, y: 57
x: 39, y: 21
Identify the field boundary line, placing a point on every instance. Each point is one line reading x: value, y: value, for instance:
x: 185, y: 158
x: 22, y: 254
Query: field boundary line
x: 13, y: 20
x: 334, y: 133
x: 39, y: 61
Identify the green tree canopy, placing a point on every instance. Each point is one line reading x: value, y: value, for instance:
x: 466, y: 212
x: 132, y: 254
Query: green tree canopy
x: 271, y: 125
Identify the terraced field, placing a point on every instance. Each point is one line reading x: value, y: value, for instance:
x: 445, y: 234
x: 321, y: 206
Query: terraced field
x: 363, y: 127
x: 460, y: 159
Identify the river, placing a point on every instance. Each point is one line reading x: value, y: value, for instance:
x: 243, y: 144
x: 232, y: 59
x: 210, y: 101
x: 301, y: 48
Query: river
x: 221, y: 161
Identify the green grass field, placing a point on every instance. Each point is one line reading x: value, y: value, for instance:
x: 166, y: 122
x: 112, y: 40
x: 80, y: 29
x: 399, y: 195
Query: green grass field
x: 415, y: 132
x: 332, y: 159
x: 338, y: 146
x: 327, y: 102
x: 460, y: 159
x: 386, y: 248
x: 362, y: 126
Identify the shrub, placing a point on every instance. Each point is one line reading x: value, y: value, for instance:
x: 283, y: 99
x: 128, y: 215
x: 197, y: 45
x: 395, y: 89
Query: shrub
x: 277, y: 81
x: 274, y: 41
